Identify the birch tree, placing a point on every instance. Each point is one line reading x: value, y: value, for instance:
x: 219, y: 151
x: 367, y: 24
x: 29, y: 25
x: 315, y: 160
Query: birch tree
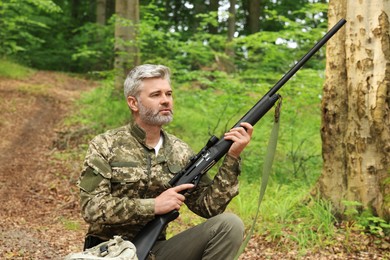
x: 355, y: 108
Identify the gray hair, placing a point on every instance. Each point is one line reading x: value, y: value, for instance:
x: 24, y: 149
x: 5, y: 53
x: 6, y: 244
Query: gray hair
x: 133, y: 82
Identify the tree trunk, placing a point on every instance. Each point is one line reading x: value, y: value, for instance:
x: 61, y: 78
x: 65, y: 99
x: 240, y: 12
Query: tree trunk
x: 126, y: 31
x: 231, y: 20
x: 254, y: 16
x: 101, y: 12
x: 225, y: 63
x: 355, y: 108
x: 214, y: 5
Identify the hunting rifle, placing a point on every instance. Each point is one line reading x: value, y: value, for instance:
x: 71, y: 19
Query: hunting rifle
x: 215, y: 149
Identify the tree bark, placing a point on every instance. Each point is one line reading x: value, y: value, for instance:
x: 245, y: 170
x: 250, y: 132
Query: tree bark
x: 355, y: 127
x: 225, y: 63
x: 231, y: 20
x: 254, y: 9
x: 214, y: 5
x: 101, y: 12
x: 126, y: 31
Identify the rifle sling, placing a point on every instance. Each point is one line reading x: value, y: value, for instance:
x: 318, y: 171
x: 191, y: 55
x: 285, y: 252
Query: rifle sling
x: 267, y: 165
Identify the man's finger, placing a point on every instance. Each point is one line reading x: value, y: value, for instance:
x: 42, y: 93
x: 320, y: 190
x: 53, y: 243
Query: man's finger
x: 248, y: 127
x: 185, y: 186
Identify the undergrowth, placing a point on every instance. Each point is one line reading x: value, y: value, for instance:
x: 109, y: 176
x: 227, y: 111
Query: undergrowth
x: 9, y: 69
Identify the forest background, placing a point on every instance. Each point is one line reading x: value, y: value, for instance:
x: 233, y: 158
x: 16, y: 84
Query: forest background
x: 217, y: 76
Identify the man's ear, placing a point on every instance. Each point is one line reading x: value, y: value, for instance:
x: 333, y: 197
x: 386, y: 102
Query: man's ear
x: 132, y: 102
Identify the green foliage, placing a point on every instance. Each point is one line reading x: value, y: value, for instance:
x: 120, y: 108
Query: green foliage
x: 93, y: 47
x: 198, y: 51
x: 364, y: 220
x: 101, y: 109
x: 374, y: 225
x: 283, y: 216
x: 278, y: 14
x: 63, y: 36
x: 20, y: 21
x: 47, y: 36
x: 351, y: 209
x: 277, y: 51
x: 87, y: 48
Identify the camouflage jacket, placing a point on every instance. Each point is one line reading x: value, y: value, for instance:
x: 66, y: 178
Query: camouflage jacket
x: 122, y: 176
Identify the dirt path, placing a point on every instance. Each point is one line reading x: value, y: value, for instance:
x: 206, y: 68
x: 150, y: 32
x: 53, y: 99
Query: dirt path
x: 37, y: 208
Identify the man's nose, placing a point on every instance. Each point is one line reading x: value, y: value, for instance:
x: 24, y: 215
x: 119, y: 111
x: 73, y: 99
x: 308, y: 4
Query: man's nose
x: 165, y: 99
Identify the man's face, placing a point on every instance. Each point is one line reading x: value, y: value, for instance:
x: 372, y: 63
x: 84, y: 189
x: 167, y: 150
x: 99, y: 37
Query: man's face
x: 155, y: 102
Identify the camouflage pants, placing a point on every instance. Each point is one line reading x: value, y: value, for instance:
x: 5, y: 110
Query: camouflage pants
x: 217, y: 238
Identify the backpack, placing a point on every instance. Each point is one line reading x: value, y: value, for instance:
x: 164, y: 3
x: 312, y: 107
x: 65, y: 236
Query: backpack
x: 113, y: 249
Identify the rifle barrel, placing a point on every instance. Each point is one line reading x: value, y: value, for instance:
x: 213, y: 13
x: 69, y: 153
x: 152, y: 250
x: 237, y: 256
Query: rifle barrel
x: 307, y: 56
x: 253, y: 115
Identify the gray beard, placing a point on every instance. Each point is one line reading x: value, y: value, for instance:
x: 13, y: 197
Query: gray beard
x: 152, y: 118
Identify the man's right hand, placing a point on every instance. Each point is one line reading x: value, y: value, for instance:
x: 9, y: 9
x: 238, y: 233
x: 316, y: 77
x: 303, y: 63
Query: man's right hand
x: 171, y: 199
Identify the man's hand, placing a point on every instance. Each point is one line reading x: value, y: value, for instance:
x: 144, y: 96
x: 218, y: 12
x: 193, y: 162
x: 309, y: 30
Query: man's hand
x: 170, y: 199
x: 241, y: 137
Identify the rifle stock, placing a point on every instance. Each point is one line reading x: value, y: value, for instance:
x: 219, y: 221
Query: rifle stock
x: 215, y: 149
x: 143, y: 243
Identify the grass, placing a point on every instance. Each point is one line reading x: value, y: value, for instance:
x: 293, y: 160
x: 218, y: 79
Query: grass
x: 286, y: 214
x: 34, y: 89
x: 9, y: 69
x: 101, y: 109
x: 70, y: 224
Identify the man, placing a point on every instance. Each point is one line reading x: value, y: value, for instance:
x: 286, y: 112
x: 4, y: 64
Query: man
x: 124, y: 183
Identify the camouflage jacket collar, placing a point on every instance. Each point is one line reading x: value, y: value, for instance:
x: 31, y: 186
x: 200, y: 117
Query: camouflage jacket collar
x: 137, y: 132
x: 140, y: 134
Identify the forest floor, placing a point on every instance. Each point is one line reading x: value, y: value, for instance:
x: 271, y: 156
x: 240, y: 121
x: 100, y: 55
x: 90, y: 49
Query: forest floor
x: 39, y: 210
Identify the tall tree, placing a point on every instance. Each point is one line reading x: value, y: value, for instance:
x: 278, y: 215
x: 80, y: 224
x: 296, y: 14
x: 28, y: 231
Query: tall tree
x: 199, y: 8
x: 214, y: 5
x: 101, y: 12
x: 126, y: 30
x: 231, y: 20
x: 356, y: 108
x: 231, y: 29
x: 254, y: 10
